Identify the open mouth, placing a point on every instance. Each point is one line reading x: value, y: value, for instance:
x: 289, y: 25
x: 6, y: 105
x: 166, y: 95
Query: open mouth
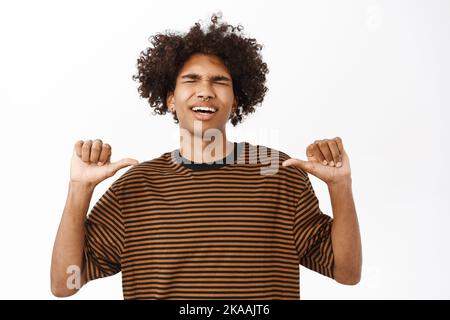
x: 201, y: 109
x: 203, y: 113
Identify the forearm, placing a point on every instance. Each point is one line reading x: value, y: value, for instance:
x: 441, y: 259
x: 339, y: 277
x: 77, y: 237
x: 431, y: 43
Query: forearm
x: 69, y: 242
x: 346, y: 237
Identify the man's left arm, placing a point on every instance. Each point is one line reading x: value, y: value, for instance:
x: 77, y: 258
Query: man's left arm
x: 345, y: 234
x: 328, y: 161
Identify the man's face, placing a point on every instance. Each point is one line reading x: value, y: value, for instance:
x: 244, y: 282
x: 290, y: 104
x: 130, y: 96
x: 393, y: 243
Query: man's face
x: 203, y: 76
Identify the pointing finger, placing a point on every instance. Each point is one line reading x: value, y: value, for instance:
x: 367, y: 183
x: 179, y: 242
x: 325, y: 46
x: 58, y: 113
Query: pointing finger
x: 305, y: 165
x: 123, y: 163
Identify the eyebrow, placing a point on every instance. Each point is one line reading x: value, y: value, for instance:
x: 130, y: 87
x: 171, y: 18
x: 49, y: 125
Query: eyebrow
x: 195, y: 76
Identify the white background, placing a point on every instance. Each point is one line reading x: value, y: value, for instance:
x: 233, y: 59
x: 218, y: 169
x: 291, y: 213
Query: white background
x: 375, y: 73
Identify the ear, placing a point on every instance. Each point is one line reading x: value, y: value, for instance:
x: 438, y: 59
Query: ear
x: 235, y: 104
x: 170, y: 101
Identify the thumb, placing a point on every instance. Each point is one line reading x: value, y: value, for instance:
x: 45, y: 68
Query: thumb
x: 122, y: 163
x: 304, y: 165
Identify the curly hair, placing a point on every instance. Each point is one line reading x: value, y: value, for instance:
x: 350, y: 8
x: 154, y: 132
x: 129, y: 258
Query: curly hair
x: 158, y: 66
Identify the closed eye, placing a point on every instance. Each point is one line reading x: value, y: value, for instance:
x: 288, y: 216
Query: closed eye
x: 221, y: 83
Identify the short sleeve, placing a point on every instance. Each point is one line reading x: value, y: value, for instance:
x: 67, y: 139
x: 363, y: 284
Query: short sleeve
x: 312, y: 232
x: 104, y: 234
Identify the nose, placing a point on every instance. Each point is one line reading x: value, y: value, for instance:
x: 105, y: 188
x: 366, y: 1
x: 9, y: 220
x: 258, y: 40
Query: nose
x: 204, y: 90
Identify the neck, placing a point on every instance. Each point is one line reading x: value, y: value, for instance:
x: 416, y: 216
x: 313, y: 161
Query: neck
x: 200, y: 149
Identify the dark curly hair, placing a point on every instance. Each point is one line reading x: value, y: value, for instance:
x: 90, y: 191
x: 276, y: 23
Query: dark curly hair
x: 158, y: 66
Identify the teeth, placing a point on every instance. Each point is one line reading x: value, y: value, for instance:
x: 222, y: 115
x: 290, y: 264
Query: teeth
x: 203, y: 109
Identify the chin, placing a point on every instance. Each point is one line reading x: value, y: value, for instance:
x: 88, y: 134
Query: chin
x: 205, y: 125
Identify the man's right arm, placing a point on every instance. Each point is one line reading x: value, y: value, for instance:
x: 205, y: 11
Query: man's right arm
x: 90, y: 165
x: 69, y: 243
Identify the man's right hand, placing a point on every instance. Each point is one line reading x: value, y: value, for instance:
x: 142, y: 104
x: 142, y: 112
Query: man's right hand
x: 91, y: 162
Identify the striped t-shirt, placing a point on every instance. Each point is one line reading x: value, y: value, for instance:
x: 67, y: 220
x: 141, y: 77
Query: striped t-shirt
x: 236, y: 230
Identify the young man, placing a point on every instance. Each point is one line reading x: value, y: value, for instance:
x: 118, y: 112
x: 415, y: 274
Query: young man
x: 213, y: 219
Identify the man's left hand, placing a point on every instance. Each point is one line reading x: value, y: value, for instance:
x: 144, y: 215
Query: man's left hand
x: 327, y: 160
